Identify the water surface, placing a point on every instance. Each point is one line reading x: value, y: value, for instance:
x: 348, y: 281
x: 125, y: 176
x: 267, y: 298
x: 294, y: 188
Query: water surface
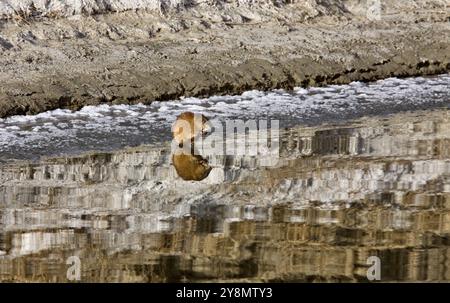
x: 344, y: 188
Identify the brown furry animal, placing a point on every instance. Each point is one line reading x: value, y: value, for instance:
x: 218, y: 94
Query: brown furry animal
x: 191, y: 167
x: 187, y: 127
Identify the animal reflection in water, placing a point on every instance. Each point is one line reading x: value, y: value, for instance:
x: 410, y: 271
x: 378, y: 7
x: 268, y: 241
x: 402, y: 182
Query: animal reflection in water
x: 190, y: 166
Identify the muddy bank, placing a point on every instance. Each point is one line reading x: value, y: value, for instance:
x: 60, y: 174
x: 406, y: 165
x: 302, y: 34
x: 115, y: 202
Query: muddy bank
x: 132, y: 55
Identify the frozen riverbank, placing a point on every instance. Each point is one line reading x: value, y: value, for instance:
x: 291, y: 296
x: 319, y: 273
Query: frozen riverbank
x: 110, y: 127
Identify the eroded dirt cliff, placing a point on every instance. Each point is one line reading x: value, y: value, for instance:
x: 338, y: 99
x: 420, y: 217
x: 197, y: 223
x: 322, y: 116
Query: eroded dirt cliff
x: 57, y: 54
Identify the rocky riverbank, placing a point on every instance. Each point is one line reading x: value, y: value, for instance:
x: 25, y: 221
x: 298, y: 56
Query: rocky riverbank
x: 71, y: 56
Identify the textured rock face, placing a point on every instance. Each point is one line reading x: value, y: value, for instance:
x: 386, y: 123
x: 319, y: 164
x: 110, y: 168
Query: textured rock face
x: 107, y: 51
x: 65, y: 8
x: 336, y: 196
x: 312, y: 8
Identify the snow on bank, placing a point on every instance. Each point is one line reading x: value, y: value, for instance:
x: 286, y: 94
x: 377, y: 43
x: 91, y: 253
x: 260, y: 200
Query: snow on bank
x: 107, y: 127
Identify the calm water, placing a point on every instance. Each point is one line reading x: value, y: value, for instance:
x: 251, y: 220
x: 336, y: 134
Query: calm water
x: 344, y: 188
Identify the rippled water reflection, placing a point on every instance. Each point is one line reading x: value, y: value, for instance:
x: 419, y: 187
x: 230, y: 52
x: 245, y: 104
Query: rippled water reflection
x: 339, y: 193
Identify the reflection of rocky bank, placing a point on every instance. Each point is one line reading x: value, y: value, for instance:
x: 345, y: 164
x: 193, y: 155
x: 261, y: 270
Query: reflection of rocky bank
x: 336, y: 196
x: 56, y: 54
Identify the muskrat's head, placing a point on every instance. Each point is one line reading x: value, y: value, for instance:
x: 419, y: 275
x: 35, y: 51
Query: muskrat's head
x: 189, y: 126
